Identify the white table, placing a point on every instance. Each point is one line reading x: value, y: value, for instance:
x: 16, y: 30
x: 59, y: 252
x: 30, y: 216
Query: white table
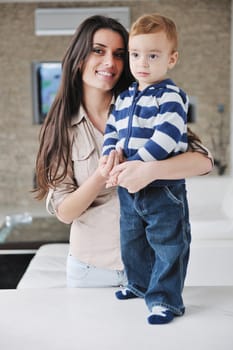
x: 92, y: 319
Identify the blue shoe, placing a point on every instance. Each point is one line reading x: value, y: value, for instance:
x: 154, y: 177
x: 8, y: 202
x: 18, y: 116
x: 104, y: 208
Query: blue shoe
x: 124, y: 294
x: 160, y: 315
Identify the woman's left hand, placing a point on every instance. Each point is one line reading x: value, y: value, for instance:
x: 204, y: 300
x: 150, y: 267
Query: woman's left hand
x: 133, y: 175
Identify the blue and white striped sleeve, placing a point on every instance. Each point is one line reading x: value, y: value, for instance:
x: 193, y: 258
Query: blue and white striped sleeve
x: 169, y: 134
x: 110, y: 136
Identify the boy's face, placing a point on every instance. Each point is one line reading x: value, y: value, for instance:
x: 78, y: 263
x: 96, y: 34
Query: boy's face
x: 150, y: 57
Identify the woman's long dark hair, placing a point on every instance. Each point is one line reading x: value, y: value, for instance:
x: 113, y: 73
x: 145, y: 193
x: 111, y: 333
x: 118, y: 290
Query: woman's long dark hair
x: 54, y: 156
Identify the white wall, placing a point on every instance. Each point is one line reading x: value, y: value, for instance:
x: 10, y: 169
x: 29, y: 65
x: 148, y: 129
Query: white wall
x: 231, y: 92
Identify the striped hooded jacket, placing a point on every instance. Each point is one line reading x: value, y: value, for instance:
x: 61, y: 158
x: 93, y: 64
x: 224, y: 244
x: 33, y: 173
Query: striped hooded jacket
x: 149, y: 124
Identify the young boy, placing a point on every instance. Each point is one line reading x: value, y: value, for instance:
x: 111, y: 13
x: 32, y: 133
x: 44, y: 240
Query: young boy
x: 149, y: 121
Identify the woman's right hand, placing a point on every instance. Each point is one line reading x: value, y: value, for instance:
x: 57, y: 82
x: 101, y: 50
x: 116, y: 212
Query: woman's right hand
x: 78, y: 201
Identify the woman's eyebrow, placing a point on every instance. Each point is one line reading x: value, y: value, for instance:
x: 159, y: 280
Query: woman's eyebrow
x: 102, y: 45
x: 99, y: 44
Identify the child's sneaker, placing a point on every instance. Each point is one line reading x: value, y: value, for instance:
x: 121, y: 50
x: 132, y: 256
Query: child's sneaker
x: 160, y: 315
x: 124, y: 294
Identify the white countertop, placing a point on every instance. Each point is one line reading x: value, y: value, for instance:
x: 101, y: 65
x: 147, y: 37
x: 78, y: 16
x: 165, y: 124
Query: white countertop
x: 89, y: 319
x: 36, y: 210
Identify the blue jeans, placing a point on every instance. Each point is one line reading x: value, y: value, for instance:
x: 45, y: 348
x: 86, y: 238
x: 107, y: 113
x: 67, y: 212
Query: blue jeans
x: 155, y: 241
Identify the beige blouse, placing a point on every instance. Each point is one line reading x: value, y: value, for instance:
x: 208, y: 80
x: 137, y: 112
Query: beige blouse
x: 95, y: 235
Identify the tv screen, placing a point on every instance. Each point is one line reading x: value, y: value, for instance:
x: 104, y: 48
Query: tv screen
x: 46, y: 78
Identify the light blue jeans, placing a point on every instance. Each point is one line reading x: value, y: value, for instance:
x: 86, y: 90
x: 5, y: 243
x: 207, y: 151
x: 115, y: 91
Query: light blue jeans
x: 79, y: 274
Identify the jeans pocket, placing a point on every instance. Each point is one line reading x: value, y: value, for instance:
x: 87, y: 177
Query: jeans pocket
x: 175, y: 193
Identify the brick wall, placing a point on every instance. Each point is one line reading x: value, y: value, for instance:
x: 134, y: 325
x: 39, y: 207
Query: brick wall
x: 203, y: 71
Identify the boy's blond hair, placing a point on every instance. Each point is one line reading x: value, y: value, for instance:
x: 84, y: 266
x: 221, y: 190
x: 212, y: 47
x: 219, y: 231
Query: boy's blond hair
x: 153, y: 23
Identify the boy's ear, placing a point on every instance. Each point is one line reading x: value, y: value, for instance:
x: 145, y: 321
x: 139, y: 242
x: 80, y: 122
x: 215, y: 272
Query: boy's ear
x: 173, y: 59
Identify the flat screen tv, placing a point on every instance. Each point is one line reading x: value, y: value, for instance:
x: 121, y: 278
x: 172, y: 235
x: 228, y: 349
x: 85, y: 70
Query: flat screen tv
x: 46, y: 78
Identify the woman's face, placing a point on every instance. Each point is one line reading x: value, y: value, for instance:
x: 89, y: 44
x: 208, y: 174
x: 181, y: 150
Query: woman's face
x: 104, y: 65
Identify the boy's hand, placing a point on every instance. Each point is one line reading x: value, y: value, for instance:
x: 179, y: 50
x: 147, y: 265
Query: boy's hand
x: 113, y: 178
x: 106, y: 163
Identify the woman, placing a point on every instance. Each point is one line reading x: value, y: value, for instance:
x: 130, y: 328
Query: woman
x: 94, y: 70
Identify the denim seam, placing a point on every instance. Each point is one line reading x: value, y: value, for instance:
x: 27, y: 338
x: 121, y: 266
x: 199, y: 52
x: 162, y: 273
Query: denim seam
x: 167, y: 306
x: 136, y: 291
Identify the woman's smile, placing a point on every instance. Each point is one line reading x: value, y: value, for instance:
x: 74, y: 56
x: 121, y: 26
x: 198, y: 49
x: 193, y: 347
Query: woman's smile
x: 106, y: 60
